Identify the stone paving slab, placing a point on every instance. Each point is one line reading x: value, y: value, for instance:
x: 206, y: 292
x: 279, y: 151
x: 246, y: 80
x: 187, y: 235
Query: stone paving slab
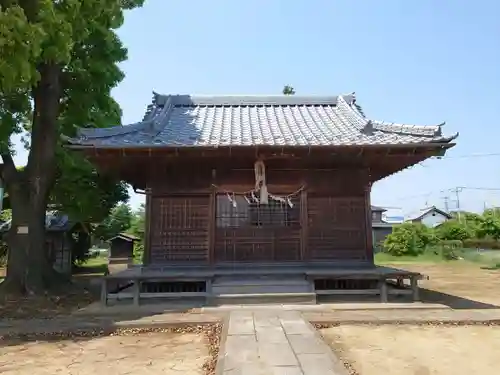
x: 275, y: 342
x: 406, y: 316
x: 72, y: 323
x: 328, y: 307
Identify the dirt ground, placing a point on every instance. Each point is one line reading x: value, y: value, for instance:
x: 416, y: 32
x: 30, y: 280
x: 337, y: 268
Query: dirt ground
x: 417, y: 350
x: 459, y: 285
x: 146, y: 353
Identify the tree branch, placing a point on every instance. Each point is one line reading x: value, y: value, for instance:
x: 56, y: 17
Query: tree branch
x: 9, y: 171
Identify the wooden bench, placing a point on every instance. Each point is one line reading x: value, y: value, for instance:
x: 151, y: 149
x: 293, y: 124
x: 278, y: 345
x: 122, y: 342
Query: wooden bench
x: 383, y: 276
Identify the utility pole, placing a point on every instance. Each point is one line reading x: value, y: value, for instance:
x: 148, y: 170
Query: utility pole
x: 457, y: 191
x: 446, y: 204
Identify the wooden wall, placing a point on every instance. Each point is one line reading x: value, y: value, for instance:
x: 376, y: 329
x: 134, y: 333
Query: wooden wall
x: 193, y: 220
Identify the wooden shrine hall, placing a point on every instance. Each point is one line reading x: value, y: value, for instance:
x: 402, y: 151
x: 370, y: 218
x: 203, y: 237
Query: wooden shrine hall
x: 258, y: 195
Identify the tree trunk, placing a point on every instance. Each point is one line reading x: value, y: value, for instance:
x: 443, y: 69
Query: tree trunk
x: 28, y: 267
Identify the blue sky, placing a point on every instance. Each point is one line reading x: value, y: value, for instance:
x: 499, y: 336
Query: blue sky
x: 419, y: 62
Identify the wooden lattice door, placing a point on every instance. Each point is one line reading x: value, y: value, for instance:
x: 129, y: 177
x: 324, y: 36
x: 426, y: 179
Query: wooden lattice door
x: 336, y: 228
x: 248, y: 232
x: 179, y: 229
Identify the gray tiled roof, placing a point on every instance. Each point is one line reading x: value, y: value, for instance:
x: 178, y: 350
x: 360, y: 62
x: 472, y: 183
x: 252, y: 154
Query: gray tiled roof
x: 420, y: 213
x: 184, y: 120
x: 54, y: 221
x: 377, y: 208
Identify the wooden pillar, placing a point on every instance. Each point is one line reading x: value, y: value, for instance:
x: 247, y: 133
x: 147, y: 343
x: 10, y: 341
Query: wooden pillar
x: 368, y: 224
x: 414, y: 288
x: 146, y: 257
x: 104, y: 291
x: 304, y: 221
x: 137, y: 292
x: 383, y: 290
x: 211, y: 225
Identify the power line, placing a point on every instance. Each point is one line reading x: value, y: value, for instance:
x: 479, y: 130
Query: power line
x: 469, y: 156
x: 479, y: 188
x: 450, y: 190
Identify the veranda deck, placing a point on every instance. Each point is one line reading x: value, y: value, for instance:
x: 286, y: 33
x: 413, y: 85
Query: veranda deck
x: 384, y: 277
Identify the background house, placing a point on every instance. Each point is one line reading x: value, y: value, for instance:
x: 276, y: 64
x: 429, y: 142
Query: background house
x: 429, y: 216
x: 380, y: 228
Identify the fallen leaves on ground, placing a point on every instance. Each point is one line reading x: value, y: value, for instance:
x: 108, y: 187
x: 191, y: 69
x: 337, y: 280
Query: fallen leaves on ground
x: 48, y: 306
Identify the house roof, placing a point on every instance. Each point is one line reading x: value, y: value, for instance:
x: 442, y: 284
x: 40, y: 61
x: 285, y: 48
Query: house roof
x: 54, y: 222
x: 424, y: 211
x: 125, y: 237
x: 211, y: 121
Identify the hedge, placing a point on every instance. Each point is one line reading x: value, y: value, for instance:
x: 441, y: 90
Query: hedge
x: 482, y: 243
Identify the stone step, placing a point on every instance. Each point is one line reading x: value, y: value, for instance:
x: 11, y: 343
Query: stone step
x: 261, y: 285
x: 261, y: 299
x: 235, y: 280
x: 260, y: 289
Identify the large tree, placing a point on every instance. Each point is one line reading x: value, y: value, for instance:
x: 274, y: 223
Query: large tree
x: 57, y: 68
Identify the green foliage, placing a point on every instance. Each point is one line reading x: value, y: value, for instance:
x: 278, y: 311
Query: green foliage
x: 138, y: 251
x: 80, y: 244
x: 118, y: 221
x: 58, y: 64
x: 72, y: 45
x: 3, y: 252
x: 81, y: 193
x: 138, y: 229
x: 449, y: 248
x: 489, y: 225
x: 470, y: 231
x: 453, y: 230
x: 408, y: 239
x: 288, y: 90
x: 451, y: 244
x: 5, y: 215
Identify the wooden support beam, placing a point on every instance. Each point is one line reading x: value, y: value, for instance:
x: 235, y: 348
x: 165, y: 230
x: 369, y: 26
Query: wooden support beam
x: 104, y: 291
x: 137, y: 292
x: 414, y: 288
x: 146, y: 257
x: 211, y: 225
x: 368, y: 224
x: 304, y: 233
x: 383, y: 291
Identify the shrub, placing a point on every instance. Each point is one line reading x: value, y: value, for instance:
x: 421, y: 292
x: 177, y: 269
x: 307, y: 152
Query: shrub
x: 138, y: 251
x: 449, y: 248
x: 3, y: 253
x: 482, y: 243
x: 408, y: 239
x: 451, y: 244
x: 453, y: 230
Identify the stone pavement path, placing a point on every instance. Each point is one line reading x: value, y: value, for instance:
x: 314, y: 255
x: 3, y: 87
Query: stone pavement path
x: 404, y: 316
x: 275, y: 343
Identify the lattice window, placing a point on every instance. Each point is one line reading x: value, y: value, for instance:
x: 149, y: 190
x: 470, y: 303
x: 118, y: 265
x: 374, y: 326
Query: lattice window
x: 252, y: 214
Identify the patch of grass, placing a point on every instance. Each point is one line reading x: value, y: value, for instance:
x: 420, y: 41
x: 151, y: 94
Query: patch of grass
x: 427, y: 257
x: 486, y: 258
x: 489, y: 258
x: 97, y: 265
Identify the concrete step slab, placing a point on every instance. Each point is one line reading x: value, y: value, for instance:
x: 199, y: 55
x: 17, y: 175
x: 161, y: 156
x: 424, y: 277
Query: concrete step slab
x: 260, y: 289
x: 274, y: 298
